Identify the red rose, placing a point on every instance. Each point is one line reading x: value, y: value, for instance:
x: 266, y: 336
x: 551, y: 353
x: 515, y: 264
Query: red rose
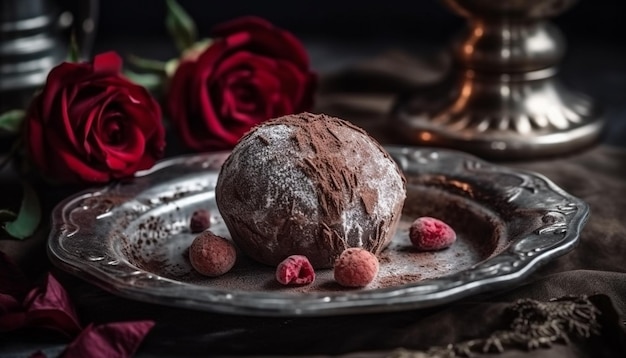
x: 90, y: 124
x: 251, y: 72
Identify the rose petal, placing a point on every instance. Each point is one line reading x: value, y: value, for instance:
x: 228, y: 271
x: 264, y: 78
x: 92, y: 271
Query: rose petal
x: 82, y: 96
x: 49, y: 306
x: 150, y: 108
x: 262, y: 77
x: 120, y: 158
x: 67, y: 120
x: 70, y: 168
x: 103, y: 165
x: 59, y: 78
x: 144, y: 116
x: 204, y: 68
x: 268, y: 86
x: 113, y: 340
x: 96, y: 138
x: 213, y: 101
x: 54, y: 166
x: 92, y: 113
x: 187, y: 96
x: 265, y: 38
x: 213, y: 120
x: 268, y: 89
x: 244, y: 111
x: 241, y: 99
x: 88, y: 122
x: 61, y: 122
x: 108, y: 63
x: 239, y: 39
x: 142, y: 111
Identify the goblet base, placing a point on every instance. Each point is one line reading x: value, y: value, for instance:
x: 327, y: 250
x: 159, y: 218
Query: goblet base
x: 499, y: 116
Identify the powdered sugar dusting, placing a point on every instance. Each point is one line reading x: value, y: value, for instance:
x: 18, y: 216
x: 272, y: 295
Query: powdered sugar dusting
x: 275, y: 175
x: 386, y: 180
x: 383, y: 178
x: 351, y: 221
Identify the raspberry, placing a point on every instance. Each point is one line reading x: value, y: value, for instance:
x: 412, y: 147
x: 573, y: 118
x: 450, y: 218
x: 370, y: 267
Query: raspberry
x: 295, y: 270
x: 200, y: 221
x: 355, y: 267
x: 212, y: 255
x: 429, y: 234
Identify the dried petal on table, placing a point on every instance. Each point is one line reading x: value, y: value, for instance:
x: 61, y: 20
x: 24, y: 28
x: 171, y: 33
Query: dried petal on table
x: 117, y: 340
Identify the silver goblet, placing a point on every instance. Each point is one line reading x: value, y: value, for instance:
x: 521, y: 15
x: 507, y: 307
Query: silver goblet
x: 503, y: 100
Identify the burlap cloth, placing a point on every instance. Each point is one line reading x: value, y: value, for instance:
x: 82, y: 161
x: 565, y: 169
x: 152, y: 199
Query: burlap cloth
x: 595, y: 269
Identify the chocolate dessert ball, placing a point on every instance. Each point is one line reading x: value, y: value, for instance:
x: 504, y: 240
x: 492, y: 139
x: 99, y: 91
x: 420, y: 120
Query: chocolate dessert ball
x: 310, y: 185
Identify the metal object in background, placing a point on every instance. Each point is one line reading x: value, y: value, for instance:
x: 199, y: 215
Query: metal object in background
x: 34, y: 37
x: 504, y: 100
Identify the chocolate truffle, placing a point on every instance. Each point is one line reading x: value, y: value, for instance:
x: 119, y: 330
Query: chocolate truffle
x: 310, y: 185
x: 356, y: 267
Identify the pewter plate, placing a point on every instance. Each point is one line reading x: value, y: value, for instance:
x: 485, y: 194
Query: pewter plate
x: 131, y: 239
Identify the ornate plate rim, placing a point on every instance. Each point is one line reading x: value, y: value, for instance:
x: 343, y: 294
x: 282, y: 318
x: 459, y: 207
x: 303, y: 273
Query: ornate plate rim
x: 512, y: 265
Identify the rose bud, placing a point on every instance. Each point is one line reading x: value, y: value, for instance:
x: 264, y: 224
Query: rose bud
x: 250, y: 72
x: 90, y: 124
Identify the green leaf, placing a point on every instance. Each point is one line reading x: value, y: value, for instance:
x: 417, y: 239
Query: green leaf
x: 150, y: 81
x: 171, y: 66
x: 10, y: 121
x: 74, y: 52
x: 149, y: 65
x: 180, y: 26
x: 28, y: 217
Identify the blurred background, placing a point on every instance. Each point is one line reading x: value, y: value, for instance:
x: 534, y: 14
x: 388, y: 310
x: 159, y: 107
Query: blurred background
x: 341, y: 34
x: 358, y: 27
x: 423, y: 20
